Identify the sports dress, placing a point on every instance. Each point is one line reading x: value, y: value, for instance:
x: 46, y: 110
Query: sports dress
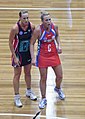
x: 22, y: 45
x: 47, y: 54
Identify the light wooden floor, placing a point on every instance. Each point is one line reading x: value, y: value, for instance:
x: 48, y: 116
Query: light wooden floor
x: 72, y: 34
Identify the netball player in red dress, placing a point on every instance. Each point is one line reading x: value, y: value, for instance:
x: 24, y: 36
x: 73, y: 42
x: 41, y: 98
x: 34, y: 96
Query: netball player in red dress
x: 47, y: 55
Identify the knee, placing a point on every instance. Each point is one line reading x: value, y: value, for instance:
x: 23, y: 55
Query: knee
x: 27, y: 74
x: 59, y: 77
x: 43, y: 81
x: 43, y: 78
x: 17, y: 75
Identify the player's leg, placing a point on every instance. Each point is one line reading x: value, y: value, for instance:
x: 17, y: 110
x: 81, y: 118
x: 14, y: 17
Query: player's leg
x: 17, y: 73
x: 58, y: 80
x: 29, y: 92
x: 43, y: 76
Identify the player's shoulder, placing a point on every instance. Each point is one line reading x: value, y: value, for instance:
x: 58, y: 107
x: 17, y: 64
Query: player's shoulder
x: 14, y: 28
x: 37, y: 31
x: 55, y: 26
x: 32, y: 26
x: 37, y: 28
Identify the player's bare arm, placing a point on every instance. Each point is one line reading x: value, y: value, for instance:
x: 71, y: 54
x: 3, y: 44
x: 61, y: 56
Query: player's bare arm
x: 13, y: 32
x: 35, y: 36
x: 58, y: 40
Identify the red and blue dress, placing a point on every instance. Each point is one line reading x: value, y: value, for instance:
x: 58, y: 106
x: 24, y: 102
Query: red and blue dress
x: 47, y: 54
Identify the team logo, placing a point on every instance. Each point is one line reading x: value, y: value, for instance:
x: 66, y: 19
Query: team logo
x: 21, y: 33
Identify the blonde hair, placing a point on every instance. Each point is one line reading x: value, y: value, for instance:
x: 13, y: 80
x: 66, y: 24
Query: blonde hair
x: 44, y: 13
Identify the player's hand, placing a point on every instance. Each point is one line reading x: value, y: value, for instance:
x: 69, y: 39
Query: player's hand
x: 59, y: 50
x: 33, y: 62
x: 17, y: 62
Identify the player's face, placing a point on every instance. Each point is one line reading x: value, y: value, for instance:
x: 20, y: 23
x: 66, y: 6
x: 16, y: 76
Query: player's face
x: 24, y: 19
x: 47, y: 21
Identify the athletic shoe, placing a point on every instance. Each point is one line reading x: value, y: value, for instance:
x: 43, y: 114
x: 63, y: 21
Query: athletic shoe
x: 17, y: 101
x: 60, y: 93
x: 31, y: 95
x: 43, y: 103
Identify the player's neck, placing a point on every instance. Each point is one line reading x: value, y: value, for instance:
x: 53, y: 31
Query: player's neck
x: 24, y: 27
x: 47, y: 28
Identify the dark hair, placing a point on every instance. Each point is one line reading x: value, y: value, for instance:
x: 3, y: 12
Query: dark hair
x: 22, y: 12
x: 44, y: 13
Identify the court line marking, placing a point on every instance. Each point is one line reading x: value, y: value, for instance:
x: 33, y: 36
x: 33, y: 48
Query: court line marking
x: 6, y: 8
x: 29, y: 115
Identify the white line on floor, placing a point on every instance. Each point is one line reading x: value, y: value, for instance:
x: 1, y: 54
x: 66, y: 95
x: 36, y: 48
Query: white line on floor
x: 29, y: 115
x: 6, y: 8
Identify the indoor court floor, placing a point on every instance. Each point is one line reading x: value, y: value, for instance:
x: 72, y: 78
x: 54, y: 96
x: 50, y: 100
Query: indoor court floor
x: 69, y: 15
